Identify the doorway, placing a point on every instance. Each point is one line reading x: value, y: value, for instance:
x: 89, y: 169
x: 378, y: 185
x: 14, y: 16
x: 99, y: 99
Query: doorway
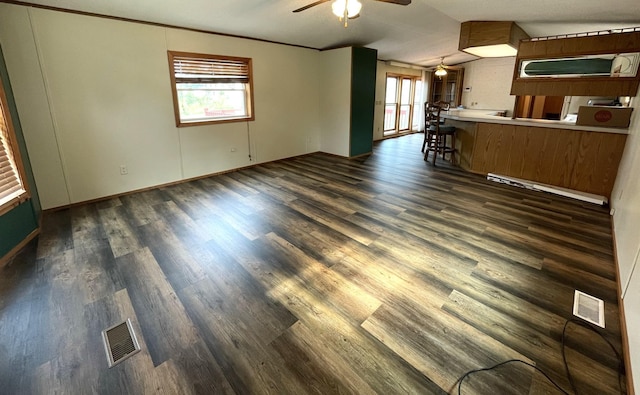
x: 402, y: 99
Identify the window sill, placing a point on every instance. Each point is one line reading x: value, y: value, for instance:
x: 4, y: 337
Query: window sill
x: 182, y: 124
x: 14, y: 201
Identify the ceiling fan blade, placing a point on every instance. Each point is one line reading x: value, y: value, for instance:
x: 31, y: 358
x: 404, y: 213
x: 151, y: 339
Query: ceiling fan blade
x: 315, y: 3
x: 354, y: 17
x: 399, y: 2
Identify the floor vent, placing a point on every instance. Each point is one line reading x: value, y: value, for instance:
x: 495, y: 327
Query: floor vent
x: 589, y: 308
x: 120, y: 342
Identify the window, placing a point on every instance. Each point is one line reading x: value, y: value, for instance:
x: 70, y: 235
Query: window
x: 210, y: 88
x: 403, y: 93
x: 12, y: 188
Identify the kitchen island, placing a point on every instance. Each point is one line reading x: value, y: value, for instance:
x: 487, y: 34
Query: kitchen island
x: 558, y: 153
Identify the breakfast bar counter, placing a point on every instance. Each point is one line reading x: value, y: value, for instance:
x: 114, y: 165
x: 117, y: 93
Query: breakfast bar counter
x: 490, y: 116
x: 581, y: 158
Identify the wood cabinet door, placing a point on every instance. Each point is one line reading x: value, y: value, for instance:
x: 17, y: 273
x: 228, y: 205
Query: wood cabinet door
x: 447, y: 88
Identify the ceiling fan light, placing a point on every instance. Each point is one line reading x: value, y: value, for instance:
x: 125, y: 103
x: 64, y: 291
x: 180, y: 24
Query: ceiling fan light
x: 352, y: 8
x: 441, y: 71
x: 338, y: 8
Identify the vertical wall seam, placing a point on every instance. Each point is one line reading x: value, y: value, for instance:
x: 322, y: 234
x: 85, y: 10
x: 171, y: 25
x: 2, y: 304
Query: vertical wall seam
x: 633, y: 269
x: 50, y: 106
x: 180, y: 153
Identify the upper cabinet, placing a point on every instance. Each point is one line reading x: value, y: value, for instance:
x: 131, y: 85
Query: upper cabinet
x: 591, y: 65
x: 447, y: 88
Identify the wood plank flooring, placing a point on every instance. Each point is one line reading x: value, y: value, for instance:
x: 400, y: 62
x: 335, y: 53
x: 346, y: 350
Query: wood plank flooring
x: 313, y: 275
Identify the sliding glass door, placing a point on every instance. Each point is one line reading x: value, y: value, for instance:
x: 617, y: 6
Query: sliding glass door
x: 402, y: 94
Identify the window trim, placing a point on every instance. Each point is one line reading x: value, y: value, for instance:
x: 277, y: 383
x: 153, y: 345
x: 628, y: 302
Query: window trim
x: 174, y: 89
x: 24, y: 193
x: 395, y: 131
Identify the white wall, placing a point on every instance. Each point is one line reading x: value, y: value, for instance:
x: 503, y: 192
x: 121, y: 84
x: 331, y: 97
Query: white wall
x: 335, y: 101
x: 625, y: 199
x: 490, y: 83
x: 94, y: 94
x: 29, y: 91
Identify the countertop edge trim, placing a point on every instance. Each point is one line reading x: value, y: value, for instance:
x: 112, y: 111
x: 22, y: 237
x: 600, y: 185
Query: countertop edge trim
x: 535, y: 123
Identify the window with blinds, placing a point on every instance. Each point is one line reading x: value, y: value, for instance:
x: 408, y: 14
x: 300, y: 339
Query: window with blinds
x: 210, y: 88
x: 12, y: 190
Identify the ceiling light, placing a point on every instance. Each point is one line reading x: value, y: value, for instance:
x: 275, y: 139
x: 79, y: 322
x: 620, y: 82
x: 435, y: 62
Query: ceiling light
x: 490, y: 39
x: 346, y: 9
x: 441, y: 69
x: 493, y: 51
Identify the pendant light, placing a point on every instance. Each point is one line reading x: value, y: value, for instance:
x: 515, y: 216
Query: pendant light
x: 441, y: 69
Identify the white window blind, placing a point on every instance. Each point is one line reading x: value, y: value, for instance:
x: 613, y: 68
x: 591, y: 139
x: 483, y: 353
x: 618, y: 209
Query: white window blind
x: 11, y: 186
x: 210, y: 70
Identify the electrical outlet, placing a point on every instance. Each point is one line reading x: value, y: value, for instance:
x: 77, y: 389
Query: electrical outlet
x: 123, y: 170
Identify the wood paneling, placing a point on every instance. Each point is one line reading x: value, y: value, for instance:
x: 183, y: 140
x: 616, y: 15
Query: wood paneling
x: 623, y: 86
x: 586, y: 45
x: 574, y: 159
x: 481, y: 33
x: 465, y: 140
x: 317, y: 274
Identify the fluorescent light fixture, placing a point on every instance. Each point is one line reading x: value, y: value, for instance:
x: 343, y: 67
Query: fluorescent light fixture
x: 490, y: 39
x: 492, y: 51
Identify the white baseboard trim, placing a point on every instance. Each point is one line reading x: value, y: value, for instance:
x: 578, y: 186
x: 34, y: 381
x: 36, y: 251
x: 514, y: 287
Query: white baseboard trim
x: 570, y: 193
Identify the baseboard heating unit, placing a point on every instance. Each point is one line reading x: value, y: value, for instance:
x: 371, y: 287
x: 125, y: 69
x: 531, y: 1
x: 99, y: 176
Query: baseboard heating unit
x: 570, y: 193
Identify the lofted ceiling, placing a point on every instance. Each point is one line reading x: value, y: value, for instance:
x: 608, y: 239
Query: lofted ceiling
x: 419, y: 33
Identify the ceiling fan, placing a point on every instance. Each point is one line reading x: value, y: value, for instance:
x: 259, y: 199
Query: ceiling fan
x: 348, y: 9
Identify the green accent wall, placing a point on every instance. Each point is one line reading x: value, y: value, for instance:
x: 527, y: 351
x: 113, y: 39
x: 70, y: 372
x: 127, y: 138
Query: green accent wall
x: 363, y: 96
x: 18, y: 223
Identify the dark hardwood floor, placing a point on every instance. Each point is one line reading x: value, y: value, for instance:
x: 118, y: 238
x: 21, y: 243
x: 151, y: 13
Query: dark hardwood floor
x: 314, y: 275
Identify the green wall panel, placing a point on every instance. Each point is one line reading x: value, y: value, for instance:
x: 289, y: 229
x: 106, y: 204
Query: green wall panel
x: 363, y: 96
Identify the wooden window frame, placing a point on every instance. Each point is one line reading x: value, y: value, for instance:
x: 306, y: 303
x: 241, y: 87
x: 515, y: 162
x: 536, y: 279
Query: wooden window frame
x: 210, y: 121
x: 13, y: 152
x: 412, y: 106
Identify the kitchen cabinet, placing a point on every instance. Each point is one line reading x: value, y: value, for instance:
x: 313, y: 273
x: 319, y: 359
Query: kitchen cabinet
x: 447, y: 88
x: 567, y: 50
x: 575, y: 159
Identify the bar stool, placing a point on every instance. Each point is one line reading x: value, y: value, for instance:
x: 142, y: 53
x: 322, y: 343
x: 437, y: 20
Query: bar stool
x: 435, y: 133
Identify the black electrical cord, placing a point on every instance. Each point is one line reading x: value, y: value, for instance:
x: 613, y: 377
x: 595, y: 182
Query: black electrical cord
x: 564, y: 357
x: 564, y: 360
x: 461, y: 379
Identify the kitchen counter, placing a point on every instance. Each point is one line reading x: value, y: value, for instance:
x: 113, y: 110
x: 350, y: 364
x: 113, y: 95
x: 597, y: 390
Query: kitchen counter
x: 581, y: 158
x: 489, y: 116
